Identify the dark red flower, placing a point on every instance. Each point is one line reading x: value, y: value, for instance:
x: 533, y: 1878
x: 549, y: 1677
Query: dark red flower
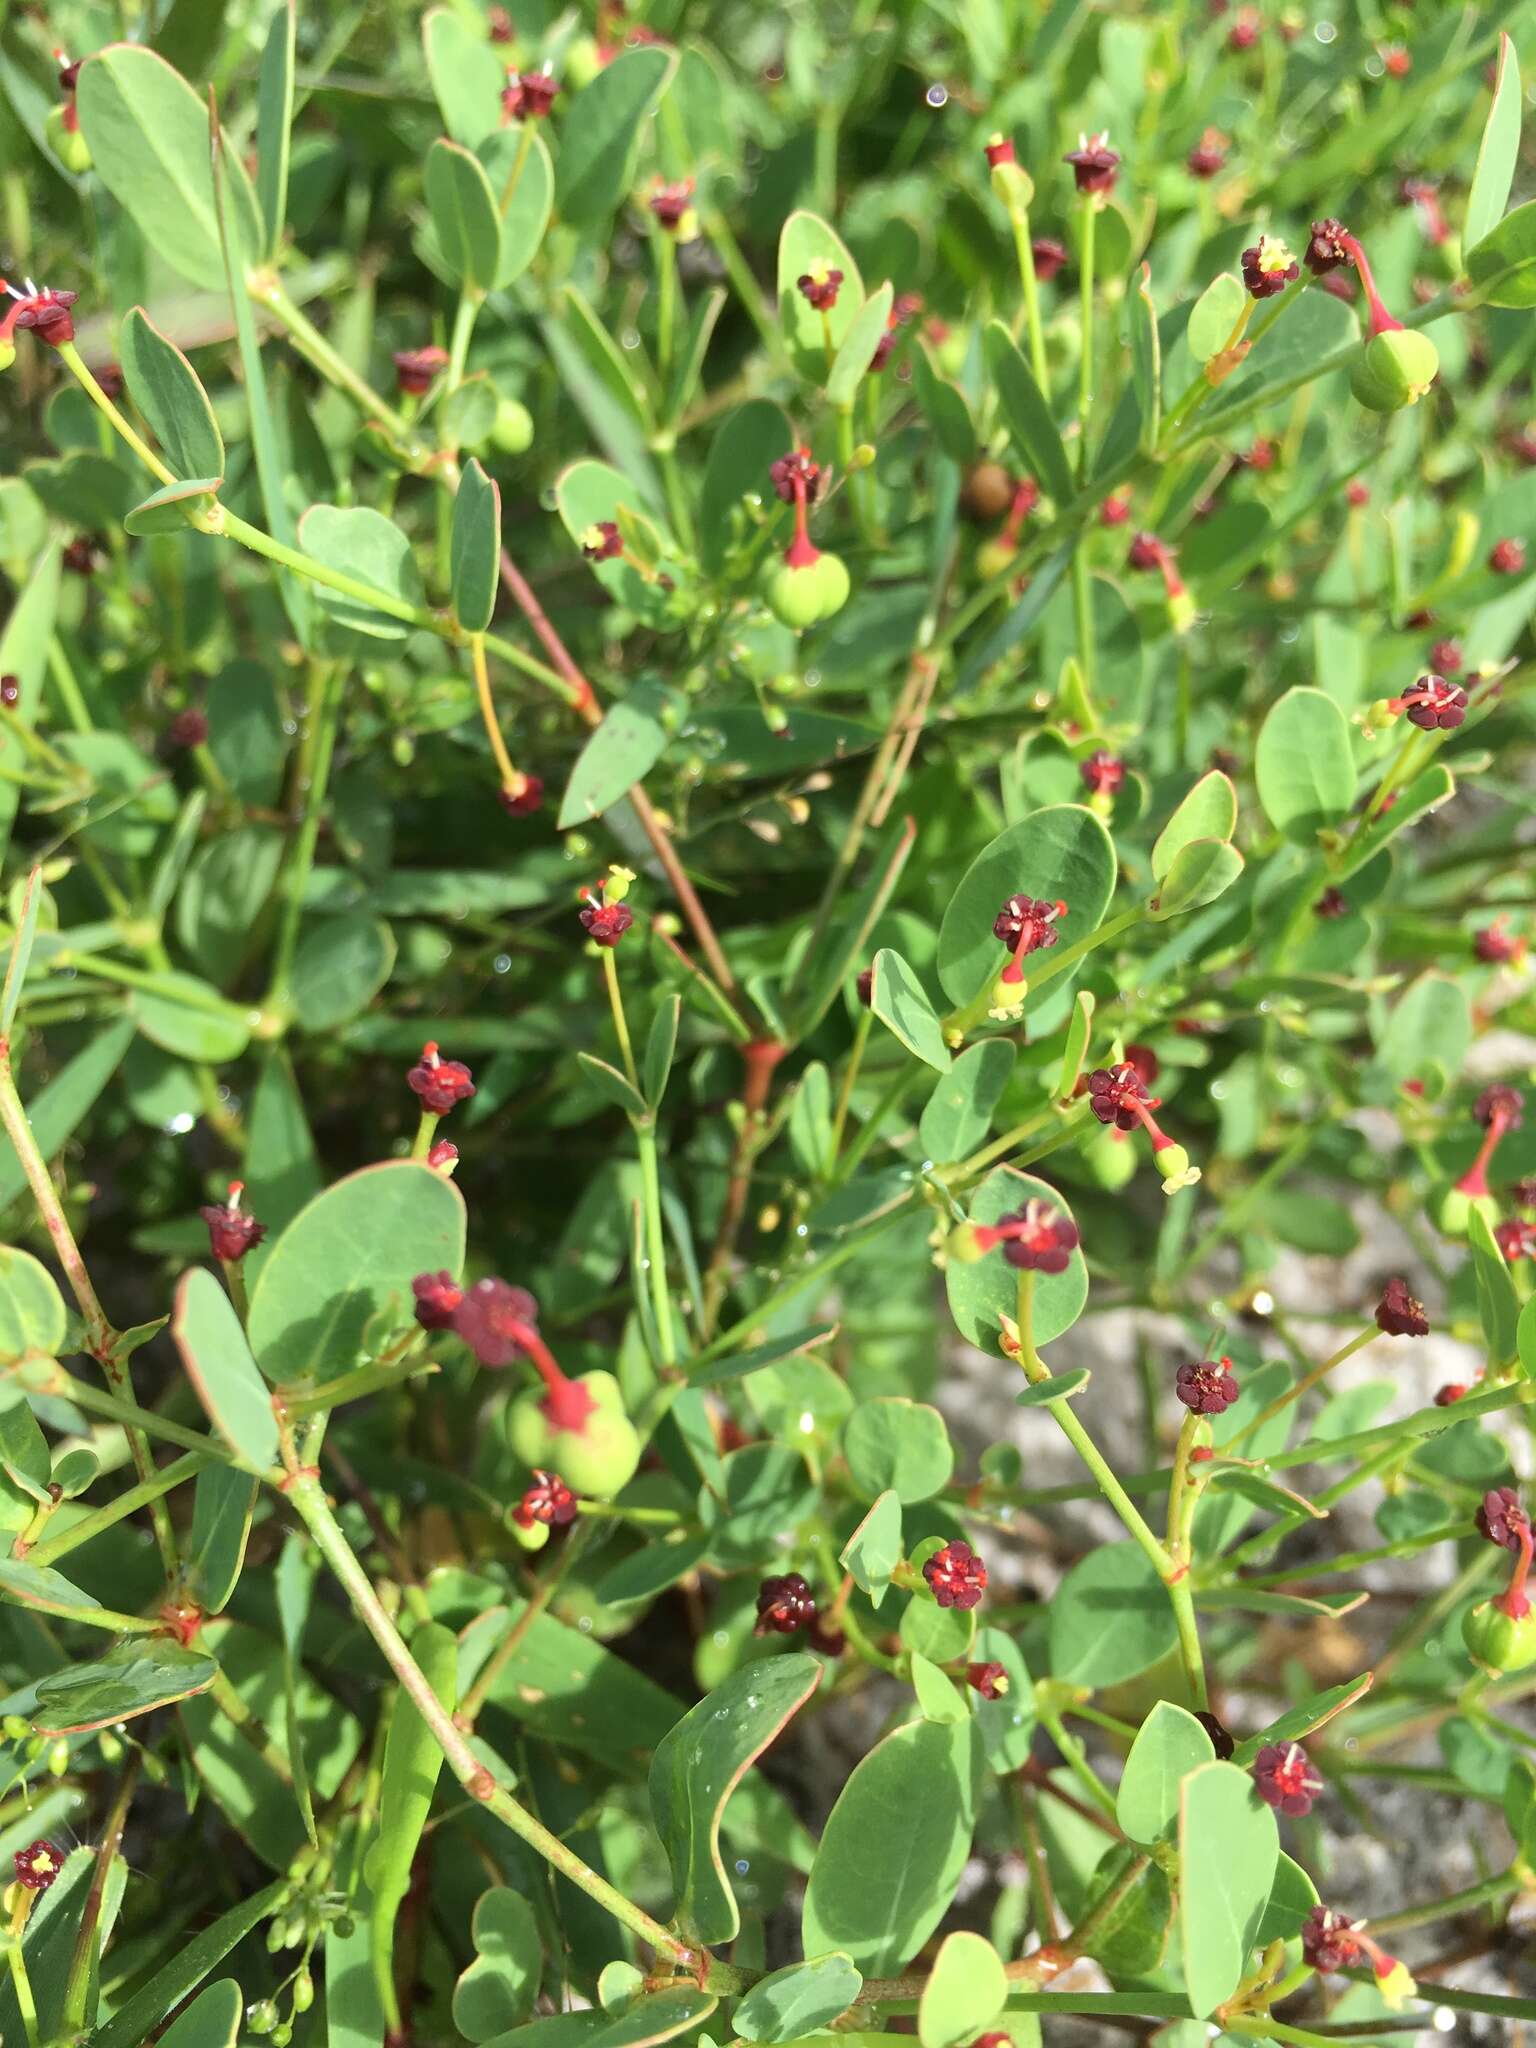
x: 1049, y: 256
x: 1505, y: 557
x: 1145, y: 1062
x: 45, y: 312
x: 1035, y: 1239
x: 443, y: 1156
x: 1501, y: 1105
x: 1209, y: 154
x: 110, y: 378
x: 80, y: 555
x: 956, y: 1576
x: 605, y: 923
x: 1102, y: 772
x: 528, y: 95
x: 1523, y: 446
x: 601, y: 541
x: 865, y: 985
x: 1399, y: 1313
x: 797, y: 469
x: 1446, y: 658
x: 1433, y: 703
x: 10, y: 691
x: 1285, y: 1778
x: 1325, y: 248
x: 819, y: 287
x: 999, y: 150
x: 438, y: 1296
x: 1262, y: 455
x: 1268, y: 267
x: 1027, y: 924
x: 231, y: 1233
x: 440, y: 1083
x: 524, y: 799
x: 1516, y: 1239
x: 1448, y: 1395
x: 416, y: 367
x: 500, y: 24
x: 1116, y: 509
x: 1332, y: 903
x: 1094, y: 163
x: 1357, y: 493
x: 188, y: 728
x: 1111, y: 1093
x: 1244, y: 32
x: 784, y: 1606
x: 1395, y: 61
x: 1206, y: 1386
x: 990, y: 1680
x: 669, y: 203
x: 1501, y: 1519
x: 1523, y: 1193
x: 1495, y: 944
x: 495, y: 1320
x: 1328, y: 1940
x: 38, y: 1865
x: 1147, y: 552
x: 548, y: 1500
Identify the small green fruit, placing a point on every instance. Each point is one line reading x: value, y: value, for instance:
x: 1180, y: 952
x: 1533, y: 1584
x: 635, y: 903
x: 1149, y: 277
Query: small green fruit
x: 532, y: 1537
x: 1397, y: 368
x: 1498, y: 1640
x: 994, y: 558
x: 598, y: 1458
x: 513, y: 431
x: 1456, y: 1208
x: 1111, y: 1159
x: 801, y: 595
x: 583, y: 61
x: 67, y: 144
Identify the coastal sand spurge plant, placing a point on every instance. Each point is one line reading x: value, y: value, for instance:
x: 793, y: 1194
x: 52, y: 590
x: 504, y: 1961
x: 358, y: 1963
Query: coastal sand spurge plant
x: 725, y: 730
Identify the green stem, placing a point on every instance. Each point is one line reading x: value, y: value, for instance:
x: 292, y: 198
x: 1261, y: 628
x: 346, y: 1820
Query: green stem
x: 310, y: 342
x: 1085, y: 366
x: 1024, y: 249
x: 620, y: 1021
x: 20, y: 1981
x: 1077, y: 1763
x: 70, y: 357
x: 664, y: 256
x: 718, y: 234
x: 1488, y: 1893
x: 655, y: 1243
x: 166, y: 1480
x: 861, y: 1032
x: 515, y: 175
x: 1303, y: 1385
x: 309, y: 1501
x: 465, y: 316
x: 324, y: 717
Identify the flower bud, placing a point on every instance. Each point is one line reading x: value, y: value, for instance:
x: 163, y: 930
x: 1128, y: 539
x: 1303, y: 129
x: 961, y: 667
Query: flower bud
x: 1499, y: 1640
x: 303, y: 1991
x: 962, y: 1245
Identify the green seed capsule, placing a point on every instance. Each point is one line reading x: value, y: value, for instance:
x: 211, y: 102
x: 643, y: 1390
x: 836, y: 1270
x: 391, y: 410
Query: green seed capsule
x: 261, y: 2018
x: 303, y: 1991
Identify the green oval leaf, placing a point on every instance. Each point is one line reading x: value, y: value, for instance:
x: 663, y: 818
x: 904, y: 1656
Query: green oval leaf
x: 1199, y: 872
x: 212, y: 2020
x: 39, y: 1586
x: 1497, y: 153
x: 467, y: 76
x: 1110, y: 1618
x: 1214, y: 315
x: 851, y: 363
x: 132, y: 1678
x: 476, y: 548
x: 498, y: 1989
x: 697, y: 1767
x: 148, y: 136
x: 363, y: 544
x: 349, y: 1255
x: 901, y: 1446
x: 525, y: 216
x: 218, y: 1361
x: 1061, y: 853
x: 1169, y: 1744
x: 600, y: 132
x: 174, y: 507
x: 799, y: 2000
x: 958, y: 1115
x: 894, y: 1847
x: 222, y: 1503
x: 898, y: 999
x: 621, y: 752
x: 32, y: 1314
x: 983, y: 1292
x: 1229, y: 1836
x: 339, y: 966
x: 189, y: 1018
x: 966, y: 1990
x: 167, y: 390
x: 1209, y: 811
x: 1304, y: 765
x: 464, y: 215
x: 1028, y: 414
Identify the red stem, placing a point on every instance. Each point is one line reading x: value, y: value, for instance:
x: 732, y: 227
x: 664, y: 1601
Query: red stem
x: 1381, y: 320
x: 802, y: 551
x: 1514, y: 1601
x: 566, y: 1404
x: 1474, y: 1181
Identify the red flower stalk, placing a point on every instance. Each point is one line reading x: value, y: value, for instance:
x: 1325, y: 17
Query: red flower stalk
x: 1102, y: 772
x: 1094, y: 164
x: 438, y: 1296
x: 1382, y: 321
x: 1025, y: 925
x: 416, y: 367
x: 44, y: 311
x: 990, y: 1680
x: 956, y: 1576
x: 1286, y: 1778
x: 1502, y: 1520
x: 802, y: 477
x: 528, y: 96
x: 231, y: 1233
x: 1498, y: 1109
x: 1399, y: 1313
x: 1206, y: 1387
x: 1434, y: 703
x: 785, y: 1605
x: 1026, y: 496
x: 1209, y: 154
x: 548, y: 1500
x: 1049, y: 256
x: 499, y: 1324
x: 38, y: 1865
x: 1035, y: 1239
x: 440, y: 1083
x: 1425, y: 197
